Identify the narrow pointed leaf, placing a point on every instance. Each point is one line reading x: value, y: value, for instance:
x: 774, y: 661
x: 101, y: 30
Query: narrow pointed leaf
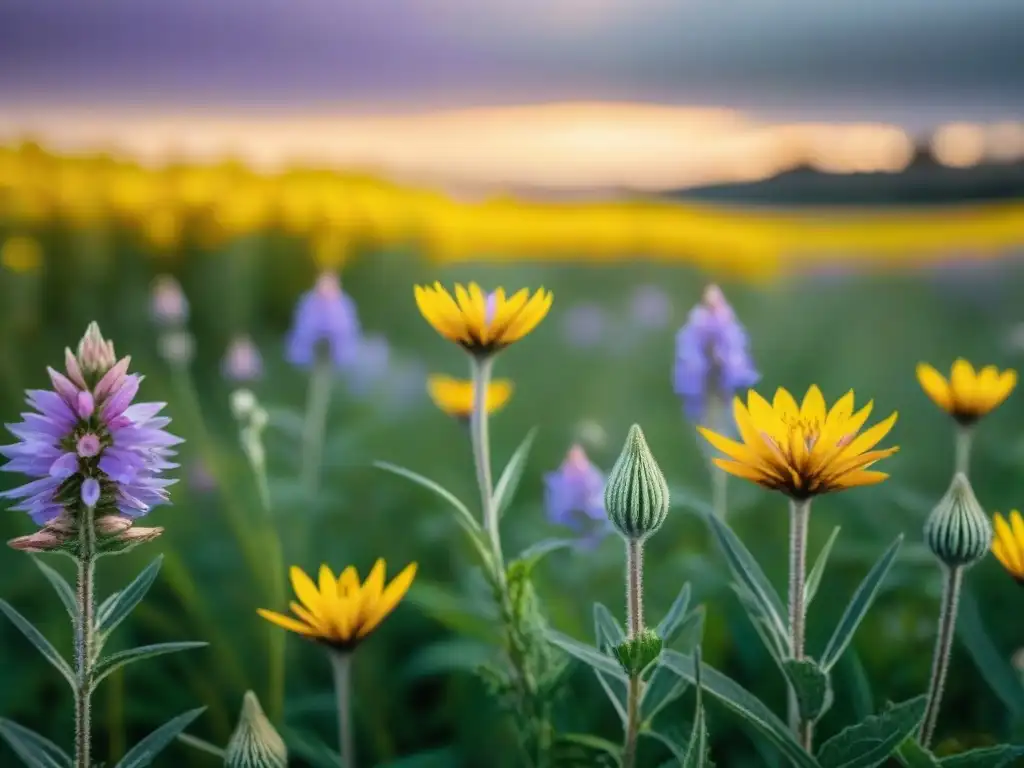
x: 143, y: 753
x: 37, y: 639
x: 35, y: 751
x: 664, y: 685
x: 595, y: 743
x: 1001, y: 756
x: 670, y: 623
x: 587, y: 654
x: 910, y: 754
x: 743, y: 703
x: 994, y: 667
x: 872, y: 741
x: 60, y: 586
x: 118, y: 606
x: 117, y: 660
x: 747, y: 572
x: 697, y: 748
x: 536, y: 552
x: 818, y: 569
x: 505, y: 488
x: 202, y: 745
x: 672, y: 740
x: 859, y: 605
x: 607, y: 635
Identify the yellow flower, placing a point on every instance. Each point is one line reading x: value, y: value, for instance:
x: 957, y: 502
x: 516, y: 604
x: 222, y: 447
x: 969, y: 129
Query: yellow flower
x: 1008, y: 544
x: 21, y: 254
x: 455, y: 396
x: 968, y: 395
x: 482, y: 324
x: 341, y: 612
x: 802, y: 451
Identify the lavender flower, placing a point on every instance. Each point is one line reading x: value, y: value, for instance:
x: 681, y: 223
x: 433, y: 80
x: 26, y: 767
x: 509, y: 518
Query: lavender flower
x: 87, y: 444
x: 574, y: 495
x: 712, y: 359
x: 324, y: 318
x: 242, y: 361
x: 169, y: 305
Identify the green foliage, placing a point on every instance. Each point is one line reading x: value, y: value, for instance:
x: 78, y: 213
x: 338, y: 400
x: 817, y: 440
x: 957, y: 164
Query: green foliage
x: 60, y: 586
x: 873, y: 741
x: 1000, y: 756
x: 812, y: 687
x: 697, y: 747
x: 145, y: 752
x: 35, y: 750
x: 508, y: 481
x: 37, y: 639
x: 116, y: 661
x: 1000, y: 675
x: 672, y: 622
x: 818, y: 569
x: 116, y: 608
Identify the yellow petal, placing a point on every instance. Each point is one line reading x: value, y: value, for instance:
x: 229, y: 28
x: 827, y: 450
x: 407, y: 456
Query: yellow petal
x: 935, y: 386
x: 370, y: 592
x: 962, y: 382
x: 529, y: 318
x: 1006, y: 557
x: 870, y: 438
x: 391, y: 596
x: 784, y: 404
x: 859, y: 478
x: 306, y: 590
x: 1004, y: 534
x: 747, y: 473
x: 813, y: 406
x: 730, y: 448
x: 1017, y: 526
x: 287, y: 622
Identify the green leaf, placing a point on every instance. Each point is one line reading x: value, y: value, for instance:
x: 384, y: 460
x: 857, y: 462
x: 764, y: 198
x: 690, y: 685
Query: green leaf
x: 672, y: 741
x: 765, y: 600
x: 913, y: 755
x: 462, y: 514
x: 117, y: 660
x: 434, y: 758
x: 607, y: 628
x: 145, y: 751
x: 818, y: 569
x: 454, y: 611
x: 309, y: 747
x: 987, y: 757
x: 743, y: 703
x: 60, y: 586
x: 36, y: 751
x: 997, y: 671
x: 812, y: 687
x: 507, y: 483
x: 202, y: 745
x: 587, y: 654
x: 595, y: 743
x: 536, y: 552
x: 116, y: 608
x: 669, y: 626
x: 664, y: 685
x: 873, y: 740
x: 39, y: 641
x: 858, y: 606
x: 697, y: 748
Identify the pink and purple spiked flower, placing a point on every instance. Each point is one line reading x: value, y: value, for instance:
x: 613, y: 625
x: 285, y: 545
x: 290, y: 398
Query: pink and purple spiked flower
x: 86, y: 443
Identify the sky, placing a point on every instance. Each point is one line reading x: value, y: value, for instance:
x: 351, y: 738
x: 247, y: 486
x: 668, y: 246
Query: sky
x: 907, y: 61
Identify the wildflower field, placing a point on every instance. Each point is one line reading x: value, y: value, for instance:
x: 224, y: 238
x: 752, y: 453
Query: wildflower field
x: 401, y: 579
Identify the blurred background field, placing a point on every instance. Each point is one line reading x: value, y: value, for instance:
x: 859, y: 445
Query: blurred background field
x: 860, y: 220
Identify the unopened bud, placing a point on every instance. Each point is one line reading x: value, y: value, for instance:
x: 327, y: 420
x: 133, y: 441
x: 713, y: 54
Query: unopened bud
x: 958, y: 531
x: 112, y: 525
x: 127, y: 540
x: 169, y: 305
x: 637, y: 653
x: 95, y: 354
x: 255, y: 743
x: 243, y: 402
x: 243, y: 361
x: 636, y: 493
x: 43, y: 540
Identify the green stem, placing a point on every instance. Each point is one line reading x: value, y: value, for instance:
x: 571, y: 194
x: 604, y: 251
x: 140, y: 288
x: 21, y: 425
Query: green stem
x: 342, y: 663
x: 634, y: 626
x: 318, y: 401
x: 85, y: 627
x: 799, y: 514
x: 481, y: 369
x: 964, y: 438
x: 943, y: 647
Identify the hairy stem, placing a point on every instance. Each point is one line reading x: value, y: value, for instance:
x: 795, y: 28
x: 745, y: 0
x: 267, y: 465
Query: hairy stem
x: 481, y: 370
x: 634, y: 626
x: 85, y: 637
x: 799, y: 514
x: 342, y: 663
x: 318, y: 401
x: 943, y: 647
x: 964, y: 438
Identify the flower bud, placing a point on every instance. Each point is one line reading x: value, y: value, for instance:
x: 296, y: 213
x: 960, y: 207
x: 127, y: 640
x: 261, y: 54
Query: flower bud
x: 177, y: 347
x: 958, y: 531
x: 95, y: 354
x: 635, y: 654
x: 255, y: 743
x: 636, y: 493
x: 243, y: 402
x: 169, y: 305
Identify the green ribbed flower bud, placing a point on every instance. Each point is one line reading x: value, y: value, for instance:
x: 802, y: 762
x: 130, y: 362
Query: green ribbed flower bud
x: 636, y: 494
x: 958, y: 531
x: 255, y: 743
x: 637, y: 653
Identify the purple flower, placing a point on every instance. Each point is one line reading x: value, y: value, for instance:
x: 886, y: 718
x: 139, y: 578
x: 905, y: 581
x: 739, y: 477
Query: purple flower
x: 712, y: 358
x: 650, y: 307
x: 574, y: 495
x: 87, y: 443
x: 169, y: 305
x: 325, y: 318
x: 242, y: 361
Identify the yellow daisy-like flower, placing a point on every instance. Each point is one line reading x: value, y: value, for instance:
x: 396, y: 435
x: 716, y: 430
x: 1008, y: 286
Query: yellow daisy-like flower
x: 455, y: 396
x: 803, y: 450
x: 340, y: 612
x: 482, y: 323
x: 1008, y: 543
x: 967, y: 395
